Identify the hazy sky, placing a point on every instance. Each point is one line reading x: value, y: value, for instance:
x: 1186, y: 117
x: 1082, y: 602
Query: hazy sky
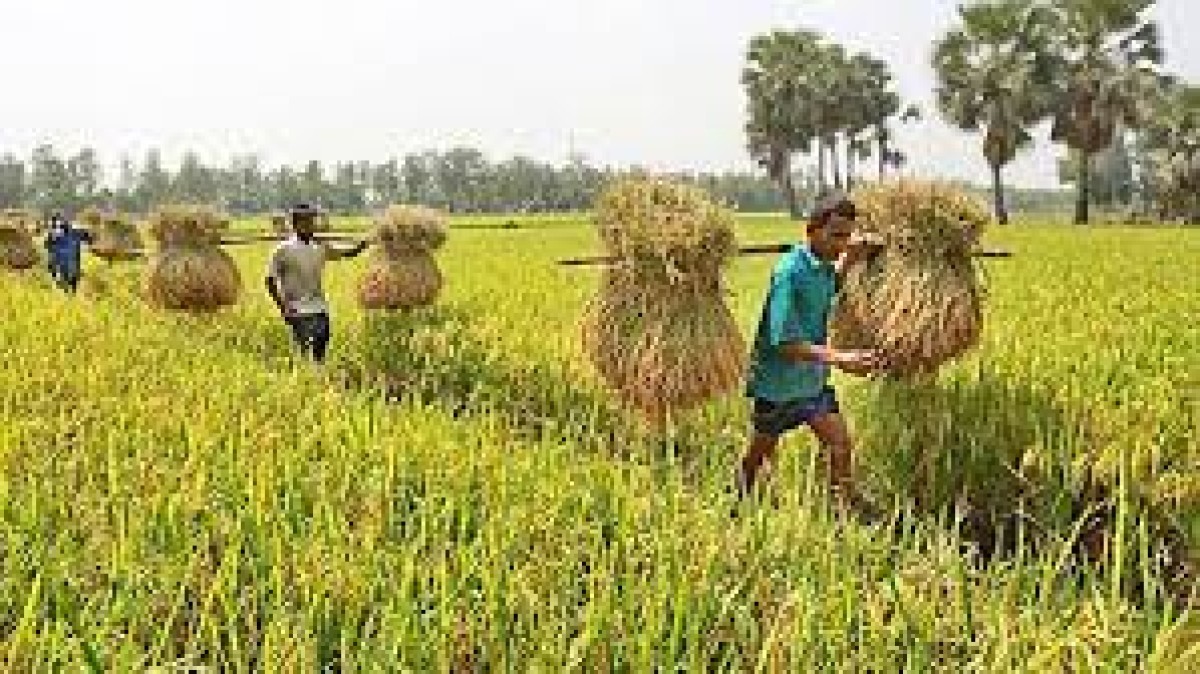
x: 653, y: 82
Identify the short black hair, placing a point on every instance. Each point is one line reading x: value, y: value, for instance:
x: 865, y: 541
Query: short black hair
x: 304, y: 208
x: 840, y: 206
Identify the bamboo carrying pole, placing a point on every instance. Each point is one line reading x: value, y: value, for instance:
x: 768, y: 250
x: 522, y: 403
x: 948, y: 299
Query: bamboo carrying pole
x: 258, y: 238
x: 755, y: 249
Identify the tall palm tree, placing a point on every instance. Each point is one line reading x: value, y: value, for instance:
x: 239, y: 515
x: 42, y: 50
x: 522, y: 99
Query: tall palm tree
x: 865, y: 82
x: 828, y: 83
x: 1170, y: 147
x: 993, y: 74
x: 1107, y: 56
x: 776, y: 90
x: 888, y: 107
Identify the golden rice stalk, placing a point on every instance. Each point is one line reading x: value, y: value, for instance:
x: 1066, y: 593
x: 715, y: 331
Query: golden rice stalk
x: 21, y: 218
x: 189, y: 272
x: 659, y: 333
x: 404, y: 230
x: 17, y: 251
x: 662, y: 352
x: 402, y: 282
x: 402, y: 273
x: 192, y: 279
x: 665, y: 226
x: 116, y: 238
x: 922, y: 219
x: 919, y: 301
x: 187, y: 226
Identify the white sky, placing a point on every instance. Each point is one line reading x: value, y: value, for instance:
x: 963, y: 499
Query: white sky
x: 654, y: 82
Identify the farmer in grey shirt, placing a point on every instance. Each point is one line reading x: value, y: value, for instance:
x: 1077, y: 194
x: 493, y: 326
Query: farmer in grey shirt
x: 294, y: 280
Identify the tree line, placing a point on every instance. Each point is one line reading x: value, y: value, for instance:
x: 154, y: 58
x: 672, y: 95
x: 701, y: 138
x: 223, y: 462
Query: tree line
x: 460, y: 180
x: 1090, y: 69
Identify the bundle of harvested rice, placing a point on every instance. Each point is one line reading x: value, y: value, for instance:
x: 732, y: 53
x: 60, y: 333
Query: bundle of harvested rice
x: 402, y: 273
x: 31, y: 221
x: 280, y: 223
x: 116, y: 238
x: 17, y: 249
x: 658, y: 332
x: 918, y: 301
x: 189, y: 271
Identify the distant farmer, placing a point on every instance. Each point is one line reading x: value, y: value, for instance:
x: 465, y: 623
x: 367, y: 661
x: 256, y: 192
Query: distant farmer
x: 791, y: 360
x: 63, y: 247
x: 294, y: 280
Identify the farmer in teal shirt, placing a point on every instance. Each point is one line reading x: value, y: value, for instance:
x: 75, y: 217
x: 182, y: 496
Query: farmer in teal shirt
x: 791, y: 360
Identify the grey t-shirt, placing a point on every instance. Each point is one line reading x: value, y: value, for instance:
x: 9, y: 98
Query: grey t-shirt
x: 297, y: 268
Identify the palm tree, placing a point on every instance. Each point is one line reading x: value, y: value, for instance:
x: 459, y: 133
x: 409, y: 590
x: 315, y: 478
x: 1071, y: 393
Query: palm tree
x: 865, y: 82
x: 993, y: 74
x: 875, y: 104
x: 776, y: 91
x: 887, y: 108
x: 827, y: 77
x: 1170, y: 149
x: 1107, y: 56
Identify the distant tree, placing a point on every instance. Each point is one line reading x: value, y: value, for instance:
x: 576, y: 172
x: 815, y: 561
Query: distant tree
x: 993, y: 74
x: 1108, y: 57
x: 13, y: 187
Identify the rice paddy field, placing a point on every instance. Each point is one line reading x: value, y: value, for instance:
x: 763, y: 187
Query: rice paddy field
x: 455, y: 491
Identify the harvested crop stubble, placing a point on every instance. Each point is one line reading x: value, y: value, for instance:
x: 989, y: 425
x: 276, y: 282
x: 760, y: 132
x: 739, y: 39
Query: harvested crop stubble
x: 189, y: 271
x: 658, y: 331
x: 402, y: 273
x: 919, y: 300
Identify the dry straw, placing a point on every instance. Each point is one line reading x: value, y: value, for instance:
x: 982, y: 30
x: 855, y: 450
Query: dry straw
x: 658, y: 331
x: 115, y: 237
x: 919, y: 299
x: 17, y: 249
x: 402, y: 273
x: 189, y: 271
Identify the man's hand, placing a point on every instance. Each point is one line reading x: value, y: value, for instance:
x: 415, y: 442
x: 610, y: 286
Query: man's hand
x: 861, y: 247
x: 857, y: 362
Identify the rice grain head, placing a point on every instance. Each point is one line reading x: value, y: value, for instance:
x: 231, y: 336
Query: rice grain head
x: 116, y: 238
x: 658, y: 331
x: 402, y: 273
x: 189, y: 271
x: 919, y: 300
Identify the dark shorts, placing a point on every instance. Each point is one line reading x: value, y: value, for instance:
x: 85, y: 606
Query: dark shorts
x: 311, y: 334
x: 772, y: 418
x: 66, y: 276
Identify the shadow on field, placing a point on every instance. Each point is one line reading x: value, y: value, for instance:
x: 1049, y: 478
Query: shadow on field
x: 440, y: 356
x: 1004, y: 462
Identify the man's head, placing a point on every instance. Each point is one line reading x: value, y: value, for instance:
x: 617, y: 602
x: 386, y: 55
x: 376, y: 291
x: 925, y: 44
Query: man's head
x: 304, y: 219
x: 830, y: 227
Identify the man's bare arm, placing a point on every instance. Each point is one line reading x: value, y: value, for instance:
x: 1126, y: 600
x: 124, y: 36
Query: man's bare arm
x: 852, y: 361
x: 273, y: 291
x: 337, y: 253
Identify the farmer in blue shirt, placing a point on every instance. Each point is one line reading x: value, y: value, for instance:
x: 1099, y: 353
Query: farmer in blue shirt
x: 791, y: 360
x: 63, y: 244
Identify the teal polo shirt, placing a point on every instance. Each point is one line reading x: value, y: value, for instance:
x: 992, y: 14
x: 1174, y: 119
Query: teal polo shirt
x: 797, y: 309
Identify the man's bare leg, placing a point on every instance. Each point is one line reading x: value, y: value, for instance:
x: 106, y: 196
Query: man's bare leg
x: 762, y: 449
x: 838, y: 448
